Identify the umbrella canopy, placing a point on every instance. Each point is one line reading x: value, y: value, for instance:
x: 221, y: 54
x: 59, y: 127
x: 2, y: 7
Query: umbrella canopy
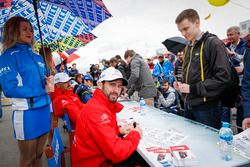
x: 55, y: 22
x: 58, y: 19
x: 92, y: 12
x: 175, y: 44
x: 67, y: 43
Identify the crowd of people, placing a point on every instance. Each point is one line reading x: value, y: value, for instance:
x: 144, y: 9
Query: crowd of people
x: 189, y: 84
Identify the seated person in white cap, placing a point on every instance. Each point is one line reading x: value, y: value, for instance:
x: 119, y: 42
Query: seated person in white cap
x: 97, y: 139
x: 64, y: 100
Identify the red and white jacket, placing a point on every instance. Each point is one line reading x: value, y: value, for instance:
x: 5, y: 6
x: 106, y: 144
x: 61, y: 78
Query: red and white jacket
x: 66, y: 101
x: 97, y: 138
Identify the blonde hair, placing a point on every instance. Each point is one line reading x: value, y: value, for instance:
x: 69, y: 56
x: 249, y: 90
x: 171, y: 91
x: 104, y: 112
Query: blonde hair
x: 47, y: 54
x: 11, y: 32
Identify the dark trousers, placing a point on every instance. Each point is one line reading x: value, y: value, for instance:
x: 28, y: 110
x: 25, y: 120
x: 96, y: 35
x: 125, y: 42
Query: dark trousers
x: 208, y: 114
x: 239, y: 118
x: 134, y: 160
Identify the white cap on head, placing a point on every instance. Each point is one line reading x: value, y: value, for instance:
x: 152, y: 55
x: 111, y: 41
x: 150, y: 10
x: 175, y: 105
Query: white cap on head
x: 111, y: 74
x: 61, y: 77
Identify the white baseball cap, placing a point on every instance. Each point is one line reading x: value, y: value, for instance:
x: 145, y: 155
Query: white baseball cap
x: 111, y: 74
x: 61, y: 77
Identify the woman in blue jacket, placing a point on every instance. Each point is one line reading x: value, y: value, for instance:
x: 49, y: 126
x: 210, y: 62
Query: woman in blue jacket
x: 23, y: 78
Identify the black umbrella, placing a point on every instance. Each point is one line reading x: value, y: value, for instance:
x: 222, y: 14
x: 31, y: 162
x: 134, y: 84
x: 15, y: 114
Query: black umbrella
x: 175, y: 44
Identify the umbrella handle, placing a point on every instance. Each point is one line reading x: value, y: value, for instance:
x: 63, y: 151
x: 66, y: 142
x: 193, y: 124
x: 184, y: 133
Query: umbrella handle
x: 40, y: 34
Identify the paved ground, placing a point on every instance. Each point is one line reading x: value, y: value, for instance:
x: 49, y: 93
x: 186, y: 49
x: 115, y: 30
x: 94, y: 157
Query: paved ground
x: 9, y: 155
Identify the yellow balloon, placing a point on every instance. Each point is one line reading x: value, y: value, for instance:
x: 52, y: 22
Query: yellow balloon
x: 218, y: 2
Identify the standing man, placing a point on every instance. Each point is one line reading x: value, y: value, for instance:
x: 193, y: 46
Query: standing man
x: 97, y: 138
x: 236, y: 49
x: 205, y: 70
x: 140, y: 79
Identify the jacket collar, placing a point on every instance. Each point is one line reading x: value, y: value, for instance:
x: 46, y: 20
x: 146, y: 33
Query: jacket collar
x: 114, y: 107
x: 59, y: 91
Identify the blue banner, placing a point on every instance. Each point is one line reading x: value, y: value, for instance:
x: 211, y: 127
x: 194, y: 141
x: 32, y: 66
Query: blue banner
x: 57, y: 147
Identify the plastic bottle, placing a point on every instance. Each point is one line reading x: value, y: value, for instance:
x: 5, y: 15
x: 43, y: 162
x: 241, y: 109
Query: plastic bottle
x: 142, y: 106
x: 225, y: 141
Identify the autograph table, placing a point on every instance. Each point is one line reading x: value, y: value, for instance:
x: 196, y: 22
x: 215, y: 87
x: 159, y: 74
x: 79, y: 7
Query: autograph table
x: 202, y: 140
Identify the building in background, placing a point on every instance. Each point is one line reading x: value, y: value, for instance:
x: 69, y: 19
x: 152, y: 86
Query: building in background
x: 245, y: 28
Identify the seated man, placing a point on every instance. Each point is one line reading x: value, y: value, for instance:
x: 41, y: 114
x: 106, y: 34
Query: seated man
x: 84, y: 90
x: 97, y: 139
x: 167, y: 100
x: 64, y: 100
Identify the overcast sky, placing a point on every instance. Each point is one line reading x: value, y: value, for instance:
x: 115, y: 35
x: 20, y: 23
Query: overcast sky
x: 143, y: 24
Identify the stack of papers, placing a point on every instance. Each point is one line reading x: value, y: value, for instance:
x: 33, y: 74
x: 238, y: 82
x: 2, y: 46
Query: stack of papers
x: 182, y: 156
x: 241, y: 143
x: 173, y: 156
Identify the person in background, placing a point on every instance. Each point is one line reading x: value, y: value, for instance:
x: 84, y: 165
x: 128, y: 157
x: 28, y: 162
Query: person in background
x: 178, y: 66
x: 64, y: 100
x: 140, y: 79
x: 105, y: 64
x: 23, y: 78
x: 150, y: 64
x: 78, y: 81
x: 245, y: 89
x: 73, y: 71
x: 162, y: 69
x: 178, y: 74
x: 123, y: 67
x: 95, y: 72
x: 202, y: 84
x: 167, y: 100
x: 113, y: 62
x: 236, y: 49
x: 97, y: 139
x: 84, y: 90
x: 62, y: 67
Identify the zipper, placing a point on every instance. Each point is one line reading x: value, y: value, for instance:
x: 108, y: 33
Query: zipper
x: 186, y: 78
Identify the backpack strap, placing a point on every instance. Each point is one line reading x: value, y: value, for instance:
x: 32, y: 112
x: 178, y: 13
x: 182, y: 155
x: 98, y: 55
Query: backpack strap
x: 207, y: 41
x: 202, y: 68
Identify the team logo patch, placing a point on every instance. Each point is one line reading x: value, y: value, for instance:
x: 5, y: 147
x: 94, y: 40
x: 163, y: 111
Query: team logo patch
x: 104, y: 119
x: 64, y: 102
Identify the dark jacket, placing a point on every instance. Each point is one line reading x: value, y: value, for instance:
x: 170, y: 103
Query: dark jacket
x: 216, y: 70
x: 245, y: 89
x: 124, y: 69
x: 178, y: 70
x: 84, y: 93
x: 239, y: 50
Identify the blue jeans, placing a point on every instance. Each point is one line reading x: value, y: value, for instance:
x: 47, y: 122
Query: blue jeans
x: 1, y: 110
x: 225, y: 114
x: 208, y: 114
